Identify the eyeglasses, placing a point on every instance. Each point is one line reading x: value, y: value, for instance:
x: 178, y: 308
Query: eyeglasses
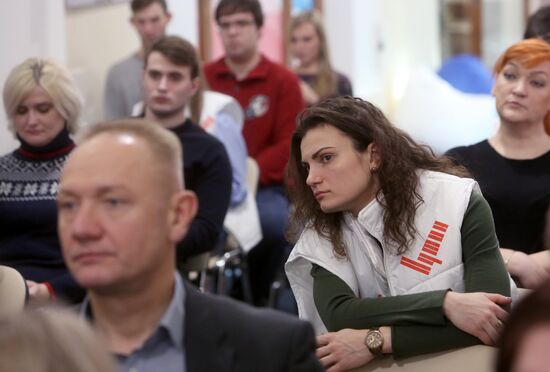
x: 225, y: 26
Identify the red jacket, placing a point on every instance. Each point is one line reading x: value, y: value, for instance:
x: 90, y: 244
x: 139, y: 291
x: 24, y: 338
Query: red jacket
x: 271, y: 99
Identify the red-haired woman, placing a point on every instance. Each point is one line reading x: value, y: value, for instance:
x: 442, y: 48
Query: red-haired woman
x: 513, y: 166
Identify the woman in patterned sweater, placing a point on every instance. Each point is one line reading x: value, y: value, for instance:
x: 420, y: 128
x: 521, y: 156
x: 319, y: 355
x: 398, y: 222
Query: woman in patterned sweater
x: 43, y: 106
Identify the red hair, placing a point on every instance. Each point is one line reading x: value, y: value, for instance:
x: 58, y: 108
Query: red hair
x: 528, y: 53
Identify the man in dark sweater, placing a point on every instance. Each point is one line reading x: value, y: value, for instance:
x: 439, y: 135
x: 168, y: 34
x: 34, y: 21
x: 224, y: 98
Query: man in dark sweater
x: 170, y: 79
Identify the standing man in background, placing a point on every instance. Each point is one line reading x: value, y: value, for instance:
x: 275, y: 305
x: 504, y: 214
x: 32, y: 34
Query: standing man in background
x: 123, y: 86
x: 270, y: 97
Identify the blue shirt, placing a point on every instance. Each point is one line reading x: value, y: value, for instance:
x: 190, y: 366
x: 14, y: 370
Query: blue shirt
x: 164, y: 350
x: 229, y: 133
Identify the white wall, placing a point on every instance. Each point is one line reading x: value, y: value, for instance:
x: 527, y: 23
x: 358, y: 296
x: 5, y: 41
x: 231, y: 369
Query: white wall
x: 377, y: 42
x: 97, y: 37
x: 28, y: 28
x: 500, y: 27
x: 412, y: 33
x: 354, y: 36
x: 184, y: 19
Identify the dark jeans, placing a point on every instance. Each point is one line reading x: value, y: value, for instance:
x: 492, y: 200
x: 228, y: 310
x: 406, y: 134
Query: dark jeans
x: 267, y: 258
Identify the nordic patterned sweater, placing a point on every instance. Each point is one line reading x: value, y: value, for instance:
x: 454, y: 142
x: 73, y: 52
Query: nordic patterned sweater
x: 28, y: 215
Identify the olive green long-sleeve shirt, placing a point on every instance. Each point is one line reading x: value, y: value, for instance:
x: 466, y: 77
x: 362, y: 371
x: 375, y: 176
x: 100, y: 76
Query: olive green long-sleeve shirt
x: 417, y: 320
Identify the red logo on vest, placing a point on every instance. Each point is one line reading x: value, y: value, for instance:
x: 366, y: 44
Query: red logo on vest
x: 428, y: 253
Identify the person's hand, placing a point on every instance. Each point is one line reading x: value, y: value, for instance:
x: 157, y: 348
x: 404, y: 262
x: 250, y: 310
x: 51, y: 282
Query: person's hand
x: 479, y: 314
x: 343, y: 350
x: 309, y: 95
x: 38, y: 293
x: 526, y: 269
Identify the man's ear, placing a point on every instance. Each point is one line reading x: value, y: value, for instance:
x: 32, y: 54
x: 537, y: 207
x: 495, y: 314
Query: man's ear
x: 183, y: 209
x: 195, y: 84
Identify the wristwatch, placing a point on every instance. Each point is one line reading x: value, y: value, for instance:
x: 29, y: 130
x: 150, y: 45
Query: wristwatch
x: 374, y: 340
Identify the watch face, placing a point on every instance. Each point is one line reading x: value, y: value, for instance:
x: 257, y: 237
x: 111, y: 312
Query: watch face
x: 374, y: 339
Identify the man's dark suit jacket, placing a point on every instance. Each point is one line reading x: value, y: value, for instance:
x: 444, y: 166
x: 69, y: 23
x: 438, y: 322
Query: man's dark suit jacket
x: 224, y: 335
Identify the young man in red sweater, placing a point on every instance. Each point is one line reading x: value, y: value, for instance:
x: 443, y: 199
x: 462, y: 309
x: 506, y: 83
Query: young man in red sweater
x: 270, y: 97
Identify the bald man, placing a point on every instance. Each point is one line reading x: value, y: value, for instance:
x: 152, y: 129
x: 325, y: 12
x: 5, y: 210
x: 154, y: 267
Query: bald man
x: 122, y: 209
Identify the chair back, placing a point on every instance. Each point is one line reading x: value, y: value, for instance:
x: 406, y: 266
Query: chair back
x: 252, y: 175
x: 13, y: 291
x: 197, y: 263
x: 479, y: 358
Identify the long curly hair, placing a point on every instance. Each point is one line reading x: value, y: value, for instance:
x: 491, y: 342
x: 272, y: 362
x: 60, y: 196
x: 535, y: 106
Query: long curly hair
x: 400, y: 159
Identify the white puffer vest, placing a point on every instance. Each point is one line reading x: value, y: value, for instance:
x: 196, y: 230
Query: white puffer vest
x: 371, y: 268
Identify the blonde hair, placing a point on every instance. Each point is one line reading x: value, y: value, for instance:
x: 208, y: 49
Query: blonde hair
x: 50, y: 340
x: 55, y: 79
x: 164, y: 145
x: 325, y: 84
x: 528, y: 53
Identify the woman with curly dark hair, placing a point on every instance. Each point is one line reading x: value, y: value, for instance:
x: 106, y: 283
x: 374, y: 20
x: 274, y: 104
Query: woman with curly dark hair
x: 394, y: 242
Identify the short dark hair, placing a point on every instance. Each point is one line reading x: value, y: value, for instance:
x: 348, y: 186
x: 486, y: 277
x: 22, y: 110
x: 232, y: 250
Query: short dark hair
x: 178, y: 51
x: 138, y: 5
x: 228, y: 7
x: 538, y: 24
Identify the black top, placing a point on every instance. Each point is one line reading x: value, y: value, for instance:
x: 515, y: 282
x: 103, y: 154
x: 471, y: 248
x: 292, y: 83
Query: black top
x: 207, y: 172
x: 28, y: 215
x: 343, y: 85
x: 518, y: 192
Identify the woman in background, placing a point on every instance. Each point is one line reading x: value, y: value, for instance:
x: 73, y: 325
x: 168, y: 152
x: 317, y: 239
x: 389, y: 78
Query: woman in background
x: 43, y: 107
x: 513, y: 166
x: 308, y: 45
